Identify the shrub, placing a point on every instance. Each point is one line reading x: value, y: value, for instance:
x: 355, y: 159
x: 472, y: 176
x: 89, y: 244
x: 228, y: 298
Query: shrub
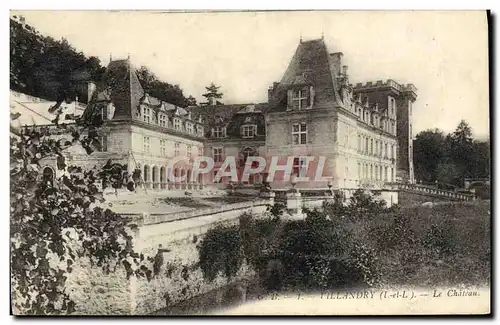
x: 221, y: 252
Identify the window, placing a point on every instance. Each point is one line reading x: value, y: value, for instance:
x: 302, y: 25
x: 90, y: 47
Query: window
x: 386, y: 151
x: 199, y: 129
x: 103, y: 141
x: 366, y: 145
x: 359, y: 142
x: 163, y: 120
x: 376, y: 148
x: 299, y: 133
x: 146, y: 144
x: 200, y: 151
x: 392, y: 175
x: 177, y: 124
x: 300, y: 166
x: 189, y: 151
x: 146, y: 115
x: 371, y: 146
x: 220, y: 132
x: 177, y: 147
x: 217, y: 155
x: 189, y: 128
x: 163, y: 148
x: 371, y: 171
x: 300, y: 98
x: 248, y: 131
x: 385, y: 174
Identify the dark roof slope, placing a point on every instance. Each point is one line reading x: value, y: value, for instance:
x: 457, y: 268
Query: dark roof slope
x: 311, y: 64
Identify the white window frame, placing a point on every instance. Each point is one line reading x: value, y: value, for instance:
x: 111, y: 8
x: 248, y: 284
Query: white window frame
x: 163, y: 147
x: 299, y: 133
x: 248, y: 130
x: 146, y: 144
x: 146, y: 115
x: 219, y: 132
x: 298, y: 97
x: 177, y: 124
x: 189, y: 128
x: 162, y: 120
x: 177, y: 149
x: 217, y: 154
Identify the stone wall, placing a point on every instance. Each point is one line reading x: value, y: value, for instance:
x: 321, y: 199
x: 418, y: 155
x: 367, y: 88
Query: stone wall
x: 179, y: 277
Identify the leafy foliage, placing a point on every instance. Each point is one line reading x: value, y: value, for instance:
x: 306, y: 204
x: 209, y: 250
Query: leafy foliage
x: 450, y: 158
x: 54, y: 70
x: 220, y: 252
x: 162, y: 90
x: 56, y: 220
x: 212, y: 95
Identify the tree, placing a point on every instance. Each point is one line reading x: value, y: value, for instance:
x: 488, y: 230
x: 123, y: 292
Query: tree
x: 212, y: 94
x: 162, y: 90
x: 43, y: 67
x: 429, y: 151
x: 50, y: 215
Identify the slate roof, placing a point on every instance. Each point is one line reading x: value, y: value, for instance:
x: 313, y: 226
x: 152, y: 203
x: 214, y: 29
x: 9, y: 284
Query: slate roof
x: 310, y: 65
x: 233, y: 117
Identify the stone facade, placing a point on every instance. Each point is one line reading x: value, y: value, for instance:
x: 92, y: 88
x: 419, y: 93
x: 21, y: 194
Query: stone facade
x: 364, y: 132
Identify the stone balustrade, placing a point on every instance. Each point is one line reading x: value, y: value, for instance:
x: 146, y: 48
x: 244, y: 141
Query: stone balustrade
x: 435, y: 191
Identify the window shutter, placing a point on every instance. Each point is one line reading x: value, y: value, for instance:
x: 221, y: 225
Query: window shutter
x: 289, y: 98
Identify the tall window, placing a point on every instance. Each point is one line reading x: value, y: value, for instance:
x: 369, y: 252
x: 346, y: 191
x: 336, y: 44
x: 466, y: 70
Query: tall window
x: 386, y: 151
x: 177, y: 124
x: 163, y: 120
x: 146, y: 144
x: 371, y: 146
x: 189, y: 128
x: 300, y: 98
x: 359, y: 142
x: 366, y: 145
x: 200, y: 151
x: 189, y: 152
x: 299, y: 133
x: 177, y: 147
x: 219, y: 132
x: 300, y: 166
x: 163, y: 148
x: 103, y: 140
x: 376, y: 148
x: 248, y: 131
x: 385, y: 174
x: 146, y: 115
x: 217, y: 154
x: 199, y: 130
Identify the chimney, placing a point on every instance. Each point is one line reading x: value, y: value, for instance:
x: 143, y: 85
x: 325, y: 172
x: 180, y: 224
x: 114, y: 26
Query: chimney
x: 270, y: 91
x: 337, y: 61
x: 90, y: 90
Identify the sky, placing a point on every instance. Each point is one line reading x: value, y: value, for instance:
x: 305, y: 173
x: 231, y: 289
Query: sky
x: 443, y: 53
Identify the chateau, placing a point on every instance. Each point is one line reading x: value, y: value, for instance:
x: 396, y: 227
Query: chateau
x: 364, y: 131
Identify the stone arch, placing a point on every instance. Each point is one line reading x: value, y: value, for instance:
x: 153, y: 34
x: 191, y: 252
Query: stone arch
x: 163, y: 176
x: 154, y: 176
x: 147, y: 175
